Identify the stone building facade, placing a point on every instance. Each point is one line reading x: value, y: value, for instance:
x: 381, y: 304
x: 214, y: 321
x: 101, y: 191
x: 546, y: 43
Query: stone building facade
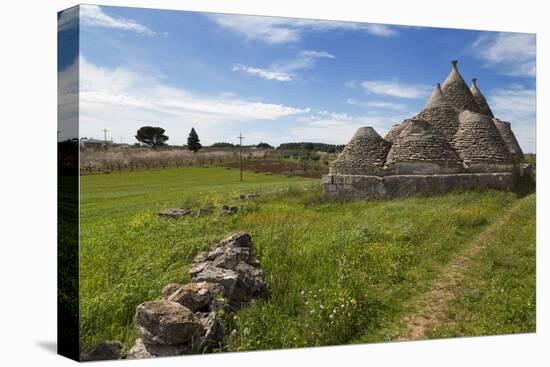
x: 455, y: 142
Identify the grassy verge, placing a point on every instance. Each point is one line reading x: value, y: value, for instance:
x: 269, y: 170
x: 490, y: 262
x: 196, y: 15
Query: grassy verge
x: 497, y: 295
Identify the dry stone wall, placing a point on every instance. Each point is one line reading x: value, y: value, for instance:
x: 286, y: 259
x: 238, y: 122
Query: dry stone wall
x: 186, y: 319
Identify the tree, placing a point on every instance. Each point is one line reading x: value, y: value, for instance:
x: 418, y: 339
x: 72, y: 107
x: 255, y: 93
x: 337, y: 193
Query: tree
x: 193, y: 142
x: 264, y: 146
x: 152, y: 136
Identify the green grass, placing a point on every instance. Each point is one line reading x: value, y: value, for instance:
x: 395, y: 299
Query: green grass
x: 497, y: 295
x: 356, y: 261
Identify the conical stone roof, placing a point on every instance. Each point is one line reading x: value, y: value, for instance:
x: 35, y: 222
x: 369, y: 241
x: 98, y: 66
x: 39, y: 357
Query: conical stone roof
x: 441, y: 114
x: 457, y: 92
x: 365, y: 154
x: 420, y: 142
x: 479, y: 141
x: 480, y: 100
x: 505, y: 130
x: 394, y: 131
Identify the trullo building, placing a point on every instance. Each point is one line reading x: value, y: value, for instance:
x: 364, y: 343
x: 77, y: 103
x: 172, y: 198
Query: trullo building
x: 454, y: 143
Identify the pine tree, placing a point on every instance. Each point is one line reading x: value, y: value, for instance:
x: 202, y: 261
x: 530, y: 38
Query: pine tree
x: 193, y: 142
x: 152, y: 136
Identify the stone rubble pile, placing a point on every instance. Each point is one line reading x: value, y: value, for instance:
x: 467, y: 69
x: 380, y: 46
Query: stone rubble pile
x: 186, y: 319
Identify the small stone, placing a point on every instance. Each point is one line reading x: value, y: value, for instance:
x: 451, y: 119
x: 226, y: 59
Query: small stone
x: 229, y: 210
x: 175, y: 213
x: 203, y: 212
x: 103, y: 351
x: 165, y: 322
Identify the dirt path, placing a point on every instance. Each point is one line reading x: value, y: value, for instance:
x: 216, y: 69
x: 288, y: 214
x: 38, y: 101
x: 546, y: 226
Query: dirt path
x: 431, y: 306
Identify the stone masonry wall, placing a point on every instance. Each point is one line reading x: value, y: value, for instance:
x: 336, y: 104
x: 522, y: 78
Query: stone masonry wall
x: 393, y: 187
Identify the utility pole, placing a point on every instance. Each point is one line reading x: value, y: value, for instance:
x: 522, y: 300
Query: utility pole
x: 105, y: 135
x: 241, y: 137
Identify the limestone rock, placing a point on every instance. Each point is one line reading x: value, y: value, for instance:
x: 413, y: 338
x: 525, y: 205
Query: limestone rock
x: 229, y: 210
x: 201, y: 296
x: 232, y: 264
x: 169, y: 289
x: 213, y: 330
x: 144, y: 349
x: 207, y: 272
x: 203, y: 212
x: 102, y: 351
x: 165, y: 322
x: 175, y: 213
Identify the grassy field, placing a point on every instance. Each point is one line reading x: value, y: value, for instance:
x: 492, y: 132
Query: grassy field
x: 340, y: 272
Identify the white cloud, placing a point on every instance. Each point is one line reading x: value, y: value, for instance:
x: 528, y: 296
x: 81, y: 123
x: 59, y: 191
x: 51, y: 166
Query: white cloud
x: 518, y: 106
x: 309, y: 53
x: 394, y: 88
x: 285, y: 30
x: 377, y: 104
x: 338, y: 128
x: 264, y: 73
x: 93, y: 16
x: 514, y: 53
x: 123, y: 101
x: 285, y: 70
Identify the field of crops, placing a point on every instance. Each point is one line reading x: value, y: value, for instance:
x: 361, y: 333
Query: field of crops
x: 340, y: 272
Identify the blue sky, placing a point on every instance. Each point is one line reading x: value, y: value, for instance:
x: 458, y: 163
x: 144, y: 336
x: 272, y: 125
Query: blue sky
x: 280, y: 79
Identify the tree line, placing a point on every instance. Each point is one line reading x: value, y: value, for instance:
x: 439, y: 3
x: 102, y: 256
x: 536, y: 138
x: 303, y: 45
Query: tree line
x: 154, y: 137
